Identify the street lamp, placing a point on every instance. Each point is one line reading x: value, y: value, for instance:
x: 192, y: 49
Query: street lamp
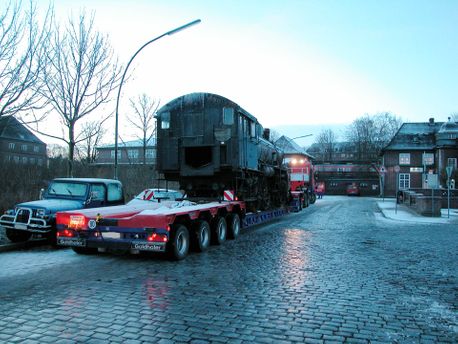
x: 168, y: 33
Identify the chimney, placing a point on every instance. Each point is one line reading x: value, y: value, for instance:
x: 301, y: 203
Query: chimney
x: 266, y: 134
x: 431, y: 121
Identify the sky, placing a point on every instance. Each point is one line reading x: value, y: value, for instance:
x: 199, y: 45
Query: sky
x: 292, y: 64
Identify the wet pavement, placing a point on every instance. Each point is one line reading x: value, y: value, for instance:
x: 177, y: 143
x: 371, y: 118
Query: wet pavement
x: 339, y: 271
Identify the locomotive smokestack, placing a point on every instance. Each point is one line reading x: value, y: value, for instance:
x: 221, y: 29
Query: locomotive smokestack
x: 266, y: 134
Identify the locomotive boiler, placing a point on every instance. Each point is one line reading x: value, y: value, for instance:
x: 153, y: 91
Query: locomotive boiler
x: 208, y: 144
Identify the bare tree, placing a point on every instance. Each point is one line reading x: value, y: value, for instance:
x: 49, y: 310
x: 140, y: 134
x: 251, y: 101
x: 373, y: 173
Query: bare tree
x: 56, y: 151
x: 143, y: 119
x: 22, y: 47
x: 454, y: 116
x: 369, y: 134
x: 93, y: 133
x: 81, y: 76
x: 326, y: 141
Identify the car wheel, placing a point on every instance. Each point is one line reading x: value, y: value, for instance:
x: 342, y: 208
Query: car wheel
x: 201, y: 236
x: 52, y: 237
x: 17, y: 236
x: 233, y: 226
x: 179, y: 243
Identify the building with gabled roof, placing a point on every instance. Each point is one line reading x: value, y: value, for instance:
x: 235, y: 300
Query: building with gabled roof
x: 418, y: 154
x: 19, y: 145
x: 129, y: 153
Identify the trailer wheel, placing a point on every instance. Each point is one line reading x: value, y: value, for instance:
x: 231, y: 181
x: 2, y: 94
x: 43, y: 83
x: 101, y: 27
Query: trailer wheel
x: 219, y: 231
x: 84, y: 250
x: 312, y: 198
x: 178, y: 246
x: 200, y: 238
x: 233, y: 226
x: 17, y: 236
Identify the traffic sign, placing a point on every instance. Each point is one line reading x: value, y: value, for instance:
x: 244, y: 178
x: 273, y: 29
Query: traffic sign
x: 382, y: 169
x: 397, y: 168
x: 449, y: 170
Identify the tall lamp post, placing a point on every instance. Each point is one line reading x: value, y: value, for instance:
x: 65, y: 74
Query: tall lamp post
x: 168, y: 33
x: 299, y: 137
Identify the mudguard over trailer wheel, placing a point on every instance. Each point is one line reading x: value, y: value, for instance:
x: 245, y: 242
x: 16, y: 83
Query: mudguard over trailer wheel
x: 200, y: 236
x: 233, y: 226
x: 219, y: 230
x: 178, y: 246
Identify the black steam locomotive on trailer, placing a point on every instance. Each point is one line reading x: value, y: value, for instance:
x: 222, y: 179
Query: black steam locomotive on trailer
x: 210, y: 144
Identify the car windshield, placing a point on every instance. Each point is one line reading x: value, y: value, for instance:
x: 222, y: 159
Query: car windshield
x: 67, y: 189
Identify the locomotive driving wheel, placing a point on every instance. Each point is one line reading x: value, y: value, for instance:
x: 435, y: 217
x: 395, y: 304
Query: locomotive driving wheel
x: 264, y: 195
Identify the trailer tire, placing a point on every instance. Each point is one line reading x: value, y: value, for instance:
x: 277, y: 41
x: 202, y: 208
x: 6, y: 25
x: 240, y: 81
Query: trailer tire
x: 84, y: 250
x: 219, y: 230
x: 200, y: 236
x: 312, y: 198
x: 178, y: 245
x: 233, y: 226
x: 17, y: 236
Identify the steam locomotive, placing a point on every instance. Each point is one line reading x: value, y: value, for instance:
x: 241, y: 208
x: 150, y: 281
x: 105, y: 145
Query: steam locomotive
x: 209, y: 144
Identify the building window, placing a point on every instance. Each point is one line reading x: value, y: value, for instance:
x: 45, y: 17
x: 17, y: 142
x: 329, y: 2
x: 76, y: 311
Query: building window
x: 36, y: 149
x: 32, y: 161
x: 150, y: 154
x: 16, y: 159
x: 113, y: 154
x: 404, y: 158
x: 11, y: 145
x: 24, y: 148
x: 40, y: 161
x: 404, y: 181
x: 24, y: 160
x: 451, y: 162
x: 428, y: 159
x: 132, y: 153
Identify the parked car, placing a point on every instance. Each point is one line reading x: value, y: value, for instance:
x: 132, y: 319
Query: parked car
x: 157, y: 195
x: 353, y: 190
x: 39, y: 217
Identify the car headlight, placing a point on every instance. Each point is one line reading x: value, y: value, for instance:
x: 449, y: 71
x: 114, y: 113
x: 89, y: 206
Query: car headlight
x: 41, y: 212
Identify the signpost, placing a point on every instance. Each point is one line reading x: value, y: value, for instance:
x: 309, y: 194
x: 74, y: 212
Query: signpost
x: 449, y: 170
x: 382, y: 172
x: 396, y: 170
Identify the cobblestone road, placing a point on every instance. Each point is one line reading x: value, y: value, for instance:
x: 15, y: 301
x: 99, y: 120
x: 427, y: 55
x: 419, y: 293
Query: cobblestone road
x: 336, y: 272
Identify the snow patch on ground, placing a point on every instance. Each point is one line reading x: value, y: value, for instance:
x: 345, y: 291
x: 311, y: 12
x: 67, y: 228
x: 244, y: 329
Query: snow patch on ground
x: 400, y: 213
